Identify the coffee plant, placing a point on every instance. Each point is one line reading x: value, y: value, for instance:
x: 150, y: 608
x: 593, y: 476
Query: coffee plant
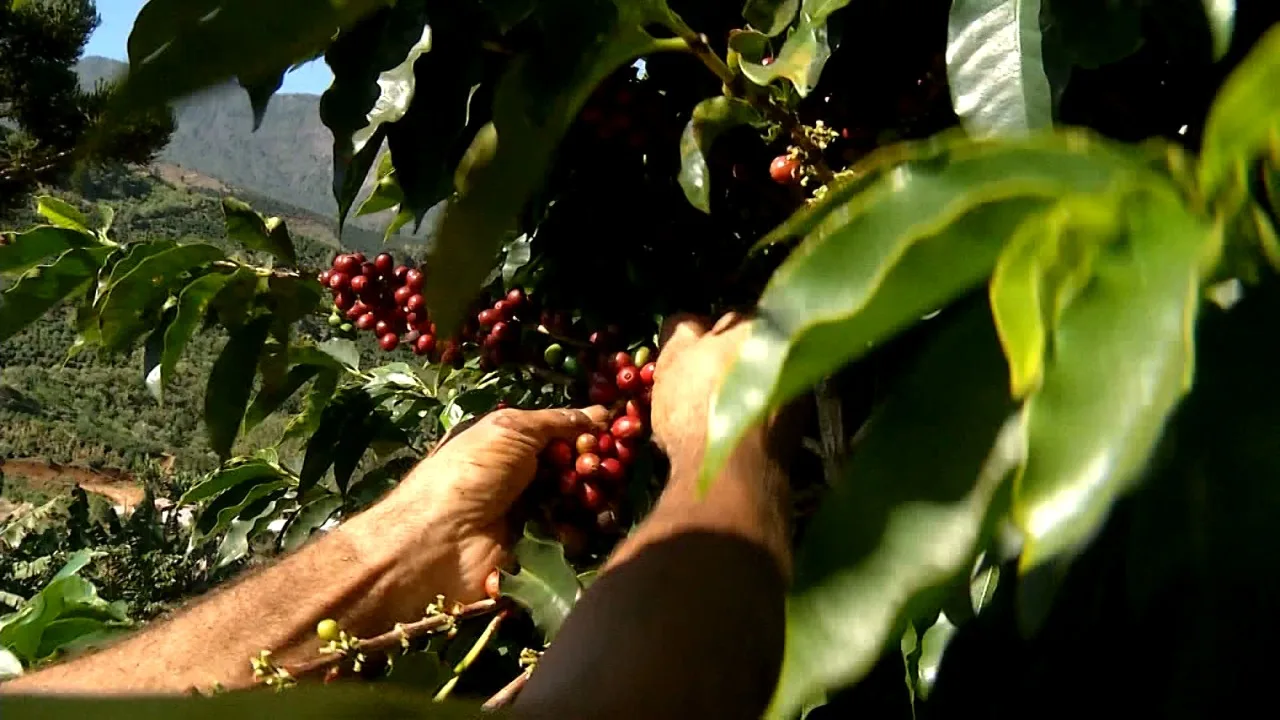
x: 1034, y: 352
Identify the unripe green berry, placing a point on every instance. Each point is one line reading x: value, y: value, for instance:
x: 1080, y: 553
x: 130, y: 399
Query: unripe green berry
x: 571, y: 366
x: 335, y: 320
x: 553, y: 355
x: 328, y: 629
x: 347, y: 328
x: 641, y: 356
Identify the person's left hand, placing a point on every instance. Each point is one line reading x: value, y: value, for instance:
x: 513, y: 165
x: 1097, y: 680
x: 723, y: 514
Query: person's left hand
x: 451, y: 509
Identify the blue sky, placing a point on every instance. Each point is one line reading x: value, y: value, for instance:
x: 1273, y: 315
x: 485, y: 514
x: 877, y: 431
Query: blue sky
x: 112, y: 40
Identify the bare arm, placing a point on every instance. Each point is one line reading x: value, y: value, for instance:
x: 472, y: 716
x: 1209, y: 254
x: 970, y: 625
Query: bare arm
x: 441, y: 532
x: 688, y: 619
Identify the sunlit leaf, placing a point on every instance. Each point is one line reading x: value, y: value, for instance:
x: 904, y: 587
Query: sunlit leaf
x: 42, y: 288
x: 1122, y: 359
x: 711, y: 118
x: 1245, y: 113
x: 770, y: 16
x: 308, y: 518
x: 919, y: 496
x: 995, y: 67
x: 227, y: 478
x: 62, y: 214
x: 193, y: 303
x: 545, y: 585
x: 805, y: 51
x: 876, y: 259
x: 247, y: 227
x: 131, y: 304
x: 25, y: 250
x: 1221, y: 15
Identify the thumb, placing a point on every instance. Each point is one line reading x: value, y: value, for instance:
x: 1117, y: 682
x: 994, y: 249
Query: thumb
x: 543, y: 426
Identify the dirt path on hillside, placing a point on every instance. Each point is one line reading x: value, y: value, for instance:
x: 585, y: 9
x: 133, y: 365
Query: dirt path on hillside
x: 117, y: 486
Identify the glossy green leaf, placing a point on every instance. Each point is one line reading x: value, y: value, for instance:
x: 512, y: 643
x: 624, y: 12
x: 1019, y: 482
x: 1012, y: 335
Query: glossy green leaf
x: 878, y: 257
x: 177, y: 47
x: 932, y: 645
x: 1243, y: 116
x: 710, y: 119
x: 805, y: 51
x: 235, y: 544
x: 133, y: 256
x: 27, y: 249
x: 304, y: 424
x: 770, y: 16
x: 308, y: 518
x: 359, y: 103
x: 534, y: 105
x: 427, y: 141
x: 69, y: 634
x: 345, y: 415
x: 40, y: 289
x: 228, y: 477
x: 153, y: 354
x: 226, y: 395
x: 995, y: 67
x: 1122, y: 359
x: 1042, y: 269
x: 344, y: 351
x: 1087, y: 34
x: 62, y: 214
x: 256, y: 232
x: 132, y: 302
x: 918, y: 498
x: 518, y: 254
x: 1221, y: 15
x: 386, y: 192
x: 545, y: 585
x: 265, y: 403
x: 305, y: 702
x: 193, y: 304
x: 227, y: 507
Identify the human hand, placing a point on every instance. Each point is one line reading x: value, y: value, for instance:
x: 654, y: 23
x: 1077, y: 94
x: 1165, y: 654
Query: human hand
x: 448, y: 519
x: 694, y: 360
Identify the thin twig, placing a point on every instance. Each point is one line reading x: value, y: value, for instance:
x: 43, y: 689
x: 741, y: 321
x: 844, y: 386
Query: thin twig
x: 508, y: 693
x: 397, y: 637
x: 490, y: 630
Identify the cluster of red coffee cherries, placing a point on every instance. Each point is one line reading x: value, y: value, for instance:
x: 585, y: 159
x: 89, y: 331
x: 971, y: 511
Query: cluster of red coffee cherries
x: 590, y: 473
x: 383, y: 298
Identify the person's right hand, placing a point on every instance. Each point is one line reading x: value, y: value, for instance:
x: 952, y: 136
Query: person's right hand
x: 694, y: 360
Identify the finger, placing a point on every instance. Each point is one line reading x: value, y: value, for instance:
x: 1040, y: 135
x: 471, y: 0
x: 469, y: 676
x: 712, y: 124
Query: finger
x: 727, y: 322
x: 542, y: 426
x: 679, y: 332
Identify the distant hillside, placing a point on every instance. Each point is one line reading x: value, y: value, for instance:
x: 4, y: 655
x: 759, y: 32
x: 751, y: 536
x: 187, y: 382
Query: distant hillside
x: 288, y: 159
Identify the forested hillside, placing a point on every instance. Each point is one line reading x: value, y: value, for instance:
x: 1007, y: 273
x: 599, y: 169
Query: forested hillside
x: 93, y: 409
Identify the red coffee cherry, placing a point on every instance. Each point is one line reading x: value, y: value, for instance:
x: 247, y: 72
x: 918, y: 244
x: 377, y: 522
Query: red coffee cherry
x: 604, y: 444
x: 619, y: 361
x: 359, y: 284
x: 628, y: 379
x: 611, y: 469
x: 323, y: 277
x: 400, y: 272
x: 627, y: 428
x: 587, y: 465
x: 346, y: 264
x: 591, y: 497
x: 560, y: 453
x: 415, y: 303
x: 516, y: 297
x: 785, y: 170
x: 389, y: 341
x: 414, y: 279
x: 625, y: 451
x: 505, y: 309
x: 568, y: 482
x: 492, y: 585
x: 384, y: 263
x: 424, y: 344
x: 636, y: 409
x: 344, y: 299
x: 381, y: 327
x: 488, y: 317
x: 339, y: 281
x: 602, y: 393
x: 587, y: 443
x: 402, y: 294
x: 646, y: 373
x: 366, y: 321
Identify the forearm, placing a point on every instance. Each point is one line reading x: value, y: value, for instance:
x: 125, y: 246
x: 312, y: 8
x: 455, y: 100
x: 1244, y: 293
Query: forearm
x: 347, y: 575
x: 699, y: 585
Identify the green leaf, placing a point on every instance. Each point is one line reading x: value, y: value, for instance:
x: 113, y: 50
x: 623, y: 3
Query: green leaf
x: 932, y: 645
x: 1122, y: 359
x: 345, y: 415
x: 386, y: 192
x: 69, y: 633
x: 996, y: 69
x: 1088, y: 34
x: 256, y: 232
x: 25, y: 250
x: 770, y: 16
x: 519, y: 252
x: 42, y: 288
x: 804, y: 53
x: 230, y: 382
x: 229, y: 506
x: 711, y: 118
x: 545, y: 585
x: 132, y: 302
x: 918, y: 498
x: 308, y: 518
x: 1042, y: 269
x: 260, y: 93
x: 879, y: 254
x: 305, y: 423
x: 380, y: 49
x: 1243, y: 116
x: 153, y: 354
x: 180, y: 46
x: 10, y: 665
x: 266, y: 402
x: 1221, y: 16
x: 229, y: 477
x: 193, y: 304
x: 534, y: 105
x: 235, y: 544
x: 62, y: 214
x: 344, y: 351
x: 76, y: 562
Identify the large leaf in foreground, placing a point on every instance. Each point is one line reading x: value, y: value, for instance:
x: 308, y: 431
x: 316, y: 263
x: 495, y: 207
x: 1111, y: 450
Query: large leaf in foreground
x: 177, y: 47
x: 995, y: 67
x: 1122, y: 358
x: 907, y: 518
x: 25, y: 250
x: 1245, y: 113
x: 44, y: 287
x: 534, y: 105
x: 711, y: 118
x: 130, y: 305
x: 230, y: 381
x: 804, y: 53
x: 873, y: 262
x: 546, y: 585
